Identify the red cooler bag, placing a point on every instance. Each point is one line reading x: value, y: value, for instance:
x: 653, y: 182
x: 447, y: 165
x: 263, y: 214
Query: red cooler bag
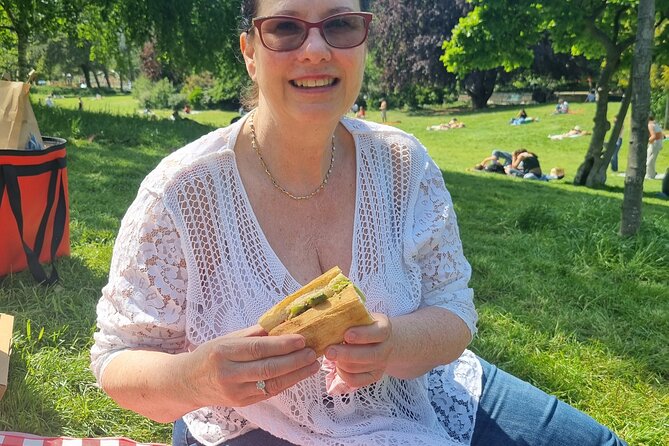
x: 34, y: 209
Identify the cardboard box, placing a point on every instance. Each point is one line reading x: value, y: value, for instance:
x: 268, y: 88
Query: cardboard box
x: 6, y: 330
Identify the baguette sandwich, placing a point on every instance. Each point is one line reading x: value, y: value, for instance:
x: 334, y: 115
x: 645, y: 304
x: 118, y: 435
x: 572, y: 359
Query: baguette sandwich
x: 321, y: 311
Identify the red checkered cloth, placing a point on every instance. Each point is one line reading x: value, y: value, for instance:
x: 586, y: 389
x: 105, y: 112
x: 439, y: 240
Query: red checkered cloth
x: 21, y: 439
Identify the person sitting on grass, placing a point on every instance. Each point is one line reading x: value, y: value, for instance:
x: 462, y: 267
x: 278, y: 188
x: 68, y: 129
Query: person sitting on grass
x: 562, y: 107
x: 526, y: 165
x: 228, y: 225
x: 522, y: 118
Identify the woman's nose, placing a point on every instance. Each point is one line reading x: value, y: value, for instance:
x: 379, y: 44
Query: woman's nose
x: 315, y: 48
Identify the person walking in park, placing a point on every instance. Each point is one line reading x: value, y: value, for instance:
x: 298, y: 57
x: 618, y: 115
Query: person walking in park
x: 228, y: 225
x: 619, y: 143
x: 80, y: 104
x: 655, y: 141
x: 384, y: 110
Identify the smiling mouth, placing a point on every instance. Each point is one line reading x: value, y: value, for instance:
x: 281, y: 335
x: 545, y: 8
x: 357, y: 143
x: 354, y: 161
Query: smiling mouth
x: 314, y: 83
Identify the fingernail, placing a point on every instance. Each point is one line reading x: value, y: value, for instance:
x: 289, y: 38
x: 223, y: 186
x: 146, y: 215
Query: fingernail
x: 350, y: 337
x: 331, y: 354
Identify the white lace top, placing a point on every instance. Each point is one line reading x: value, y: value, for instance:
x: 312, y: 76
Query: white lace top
x: 191, y: 263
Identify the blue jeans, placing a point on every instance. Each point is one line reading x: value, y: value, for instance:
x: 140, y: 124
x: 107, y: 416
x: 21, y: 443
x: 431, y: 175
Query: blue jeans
x: 511, y: 412
x: 506, y: 156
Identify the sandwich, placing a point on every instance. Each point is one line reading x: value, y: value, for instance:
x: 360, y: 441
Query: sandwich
x: 321, y: 311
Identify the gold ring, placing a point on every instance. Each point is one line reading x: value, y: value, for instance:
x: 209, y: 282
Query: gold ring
x: 260, y: 385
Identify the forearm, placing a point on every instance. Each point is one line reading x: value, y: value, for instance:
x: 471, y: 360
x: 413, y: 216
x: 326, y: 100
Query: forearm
x: 425, y: 339
x: 153, y: 384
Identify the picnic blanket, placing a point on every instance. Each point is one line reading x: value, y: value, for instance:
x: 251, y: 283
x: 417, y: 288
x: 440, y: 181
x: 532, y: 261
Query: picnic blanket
x: 23, y: 439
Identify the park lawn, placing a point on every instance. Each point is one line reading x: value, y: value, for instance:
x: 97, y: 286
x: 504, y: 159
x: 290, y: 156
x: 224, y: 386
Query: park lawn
x: 563, y: 301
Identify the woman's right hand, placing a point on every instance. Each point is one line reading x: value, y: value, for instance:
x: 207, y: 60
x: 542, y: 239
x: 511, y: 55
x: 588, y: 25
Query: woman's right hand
x: 225, y: 370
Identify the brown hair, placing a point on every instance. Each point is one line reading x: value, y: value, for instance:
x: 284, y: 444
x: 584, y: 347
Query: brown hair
x: 249, y: 10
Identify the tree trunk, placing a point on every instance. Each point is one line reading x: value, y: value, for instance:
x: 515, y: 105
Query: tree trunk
x: 597, y: 176
x: 594, y: 155
x: 479, y: 85
x: 87, y: 74
x: 106, y: 73
x: 22, y: 49
x: 120, y: 79
x: 95, y: 76
x: 630, y: 221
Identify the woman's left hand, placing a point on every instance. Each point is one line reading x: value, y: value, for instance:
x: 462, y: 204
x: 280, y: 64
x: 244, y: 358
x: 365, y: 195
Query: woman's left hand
x: 364, y: 356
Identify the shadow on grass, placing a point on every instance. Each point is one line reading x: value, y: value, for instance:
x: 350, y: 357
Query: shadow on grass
x: 52, y: 324
x: 41, y: 417
x: 49, y: 368
x: 551, y: 257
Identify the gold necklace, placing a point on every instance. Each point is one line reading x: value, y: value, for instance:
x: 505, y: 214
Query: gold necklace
x: 254, y: 143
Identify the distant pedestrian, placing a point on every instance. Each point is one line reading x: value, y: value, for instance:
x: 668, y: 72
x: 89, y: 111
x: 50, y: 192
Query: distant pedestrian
x: 619, y: 143
x: 655, y: 139
x: 384, y: 109
x: 81, y: 104
x: 49, y: 101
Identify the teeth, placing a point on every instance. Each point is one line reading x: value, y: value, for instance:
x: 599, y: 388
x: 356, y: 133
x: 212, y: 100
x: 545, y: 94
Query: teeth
x: 312, y: 83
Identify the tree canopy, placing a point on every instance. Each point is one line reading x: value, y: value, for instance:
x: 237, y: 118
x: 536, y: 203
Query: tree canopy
x: 198, y: 34
x: 407, y: 51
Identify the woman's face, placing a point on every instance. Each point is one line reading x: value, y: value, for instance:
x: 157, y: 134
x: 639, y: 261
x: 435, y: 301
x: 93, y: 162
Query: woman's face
x: 313, y: 82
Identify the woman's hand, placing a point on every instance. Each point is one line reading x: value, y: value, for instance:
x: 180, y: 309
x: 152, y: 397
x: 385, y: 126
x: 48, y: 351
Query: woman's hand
x: 364, y: 357
x: 225, y: 370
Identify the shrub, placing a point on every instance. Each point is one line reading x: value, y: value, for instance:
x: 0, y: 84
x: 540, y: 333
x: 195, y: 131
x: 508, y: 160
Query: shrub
x: 153, y: 95
x: 195, y: 87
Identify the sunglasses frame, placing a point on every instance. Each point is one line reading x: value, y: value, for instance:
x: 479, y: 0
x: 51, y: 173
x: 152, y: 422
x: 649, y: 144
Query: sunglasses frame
x: 258, y: 21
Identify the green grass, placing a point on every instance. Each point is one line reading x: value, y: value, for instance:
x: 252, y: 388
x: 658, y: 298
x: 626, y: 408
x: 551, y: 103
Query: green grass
x: 564, y: 302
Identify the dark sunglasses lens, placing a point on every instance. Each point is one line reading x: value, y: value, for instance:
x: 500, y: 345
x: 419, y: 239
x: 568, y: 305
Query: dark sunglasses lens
x: 345, y: 31
x: 283, y: 34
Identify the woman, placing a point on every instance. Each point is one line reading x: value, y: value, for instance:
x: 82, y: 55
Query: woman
x: 230, y: 224
x: 525, y: 164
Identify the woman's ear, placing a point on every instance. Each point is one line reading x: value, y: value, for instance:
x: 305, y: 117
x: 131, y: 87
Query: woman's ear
x: 248, y: 51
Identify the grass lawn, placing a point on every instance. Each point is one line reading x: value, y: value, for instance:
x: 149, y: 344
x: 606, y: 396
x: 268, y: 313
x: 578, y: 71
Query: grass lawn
x: 564, y: 302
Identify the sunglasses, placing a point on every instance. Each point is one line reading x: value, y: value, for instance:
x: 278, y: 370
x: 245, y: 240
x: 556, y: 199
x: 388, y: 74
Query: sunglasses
x: 285, y: 33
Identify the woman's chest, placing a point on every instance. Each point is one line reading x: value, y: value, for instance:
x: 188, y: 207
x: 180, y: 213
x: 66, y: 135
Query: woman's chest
x: 310, y: 238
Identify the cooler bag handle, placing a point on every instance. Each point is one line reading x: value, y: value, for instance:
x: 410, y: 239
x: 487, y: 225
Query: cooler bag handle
x: 10, y: 178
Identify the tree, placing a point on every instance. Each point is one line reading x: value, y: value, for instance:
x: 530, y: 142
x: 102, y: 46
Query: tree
x: 636, y: 167
x: 407, y: 51
x: 189, y: 35
x: 24, y: 18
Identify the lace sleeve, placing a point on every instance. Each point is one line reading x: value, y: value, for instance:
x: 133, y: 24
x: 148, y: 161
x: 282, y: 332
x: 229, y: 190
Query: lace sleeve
x: 142, y: 305
x: 437, y: 249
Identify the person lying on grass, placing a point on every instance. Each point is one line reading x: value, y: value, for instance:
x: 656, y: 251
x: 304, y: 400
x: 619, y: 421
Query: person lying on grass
x: 495, y: 162
x: 573, y: 133
x: 452, y: 124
